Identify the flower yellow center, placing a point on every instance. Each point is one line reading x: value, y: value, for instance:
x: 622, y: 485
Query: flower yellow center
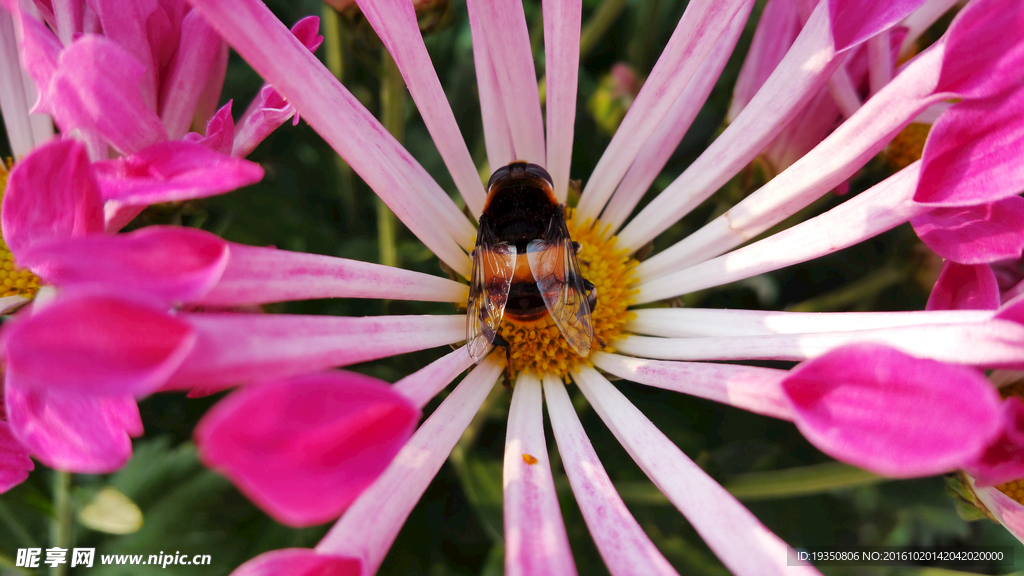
x: 907, y: 147
x: 538, y: 346
x: 1014, y: 488
x: 14, y: 281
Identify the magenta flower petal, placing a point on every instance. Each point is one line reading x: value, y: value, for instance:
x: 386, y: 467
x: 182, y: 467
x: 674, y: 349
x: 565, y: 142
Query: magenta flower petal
x: 15, y: 463
x: 183, y: 88
x: 97, y: 87
x: 982, y: 59
x: 75, y: 432
x: 421, y: 386
x: 40, y: 52
x: 299, y: 562
x: 535, y: 539
x: 1003, y: 460
x: 137, y: 27
x: 234, y: 348
x: 307, y: 30
x: 50, y: 195
x: 302, y: 449
x: 261, y: 275
x: 264, y: 115
x: 975, y: 234
x: 170, y: 263
x: 853, y: 22
x: 220, y: 132
x: 891, y: 413
x: 973, y: 154
x: 172, y: 171
x: 96, y: 345
x: 965, y: 287
x: 371, y: 524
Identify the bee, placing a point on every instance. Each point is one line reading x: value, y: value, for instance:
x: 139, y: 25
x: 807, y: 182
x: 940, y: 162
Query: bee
x: 524, y: 264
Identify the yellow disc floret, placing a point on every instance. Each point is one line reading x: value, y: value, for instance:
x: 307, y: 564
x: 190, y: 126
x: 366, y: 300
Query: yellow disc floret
x: 14, y: 281
x: 907, y: 147
x: 538, y: 346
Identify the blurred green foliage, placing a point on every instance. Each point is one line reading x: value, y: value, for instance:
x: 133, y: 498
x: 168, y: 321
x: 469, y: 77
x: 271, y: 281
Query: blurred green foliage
x: 310, y: 201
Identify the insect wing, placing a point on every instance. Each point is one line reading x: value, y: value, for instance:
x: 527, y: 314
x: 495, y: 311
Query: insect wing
x: 489, y: 285
x: 554, y: 267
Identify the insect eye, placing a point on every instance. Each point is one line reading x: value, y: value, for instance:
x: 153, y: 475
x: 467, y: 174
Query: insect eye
x: 539, y: 172
x: 498, y: 175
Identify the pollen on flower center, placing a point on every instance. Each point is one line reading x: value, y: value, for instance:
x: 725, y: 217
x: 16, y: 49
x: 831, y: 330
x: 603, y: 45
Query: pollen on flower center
x: 538, y: 346
x: 908, y: 146
x: 14, y: 281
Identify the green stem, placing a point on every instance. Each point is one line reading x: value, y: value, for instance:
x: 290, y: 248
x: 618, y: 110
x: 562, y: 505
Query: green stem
x: 334, y: 45
x: 598, y: 24
x: 800, y: 481
x: 60, y: 526
x: 17, y: 529
x: 392, y: 112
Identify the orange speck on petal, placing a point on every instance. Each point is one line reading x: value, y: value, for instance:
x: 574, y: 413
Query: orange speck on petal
x: 529, y: 459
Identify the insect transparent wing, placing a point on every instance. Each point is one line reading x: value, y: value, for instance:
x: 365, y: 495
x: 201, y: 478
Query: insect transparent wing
x: 489, y: 285
x: 554, y: 267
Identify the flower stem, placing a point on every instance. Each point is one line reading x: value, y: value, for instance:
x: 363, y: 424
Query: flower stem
x: 599, y: 23
x: 799, y: 481
x: 392, y: 113
x: 60, y: 527
x: 334, y: 45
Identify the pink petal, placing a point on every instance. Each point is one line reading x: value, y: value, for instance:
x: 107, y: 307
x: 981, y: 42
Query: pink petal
x: 265, y: 114
x: 669, y: 133
x: 50, y: 195
x: 535, y: 538
x: 623, y: 545
x: 694, y: 37
x: 307, y: 30
x: 210, y: 98
x: 173, y: 171
x: 508, y: 45
x: 747, y: 387
x: 220, y: 132
x: 130, y: 26
x: 17, y: 94
x: 981, y: 58
x: 74, y: 432
x: 497, y: 134
x: 776, y: 30
x: 975, y: 234
x: 186, y: 79
x: 40, y: 52
x: 304, y: 448
x: 561, y: 69
x: 870, y: 213
x: 421, y: 386
x: 1007, y: 511
x: 395, y: 23
x: 95, y: 345
x: 299, y: 562
x: 964, y: 287
x: 97, y: 87
x: 369, y: 527
x: 1003, y: 460
x: 854, y: 21
x: 170, y: 263
x: 237, y: 348
x: 739, y: 540
x: 260, y: 275
x: 989, y: 343
x: 891, y: 413
x: 688, y: 322
x: 15, y: 463
x: 973, y: 153
x: 800, y: 75
x: 921, y: 20
x: 400, y: 181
